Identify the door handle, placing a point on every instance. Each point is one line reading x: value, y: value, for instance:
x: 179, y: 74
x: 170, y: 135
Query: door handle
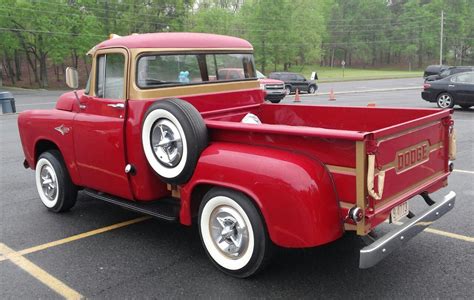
x: 116, y: 105
x: 82, y: 106
x: 451, y: 85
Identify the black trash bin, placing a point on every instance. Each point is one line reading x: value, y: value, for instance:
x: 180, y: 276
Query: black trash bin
x: 8, y: 102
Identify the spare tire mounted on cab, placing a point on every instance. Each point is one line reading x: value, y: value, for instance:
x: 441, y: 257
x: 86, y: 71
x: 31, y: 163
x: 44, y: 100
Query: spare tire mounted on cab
x: 173, y: 137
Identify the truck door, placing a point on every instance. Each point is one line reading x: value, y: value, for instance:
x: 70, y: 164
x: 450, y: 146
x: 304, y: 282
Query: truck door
x: 99, y: 126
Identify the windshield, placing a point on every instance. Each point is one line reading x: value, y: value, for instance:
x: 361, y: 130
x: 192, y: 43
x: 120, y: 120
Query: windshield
x: 183, y: 69
x: 260, y: 75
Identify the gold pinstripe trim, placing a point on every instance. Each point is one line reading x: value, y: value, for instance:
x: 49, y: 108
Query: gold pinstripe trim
x: 341, y: 170
x: 346, y: 204
x: 209, y: 88
x: 407, y: 131
x: 361, y: 171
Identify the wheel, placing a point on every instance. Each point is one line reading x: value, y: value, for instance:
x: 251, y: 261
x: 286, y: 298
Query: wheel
x: 465, y: 106
x: 445, y: 100
x: 275, y: 101
x: 55, y: 188
x: 288, y: 89
x: 312, y: 89
x: 173, y: 137
x: 233, y: 233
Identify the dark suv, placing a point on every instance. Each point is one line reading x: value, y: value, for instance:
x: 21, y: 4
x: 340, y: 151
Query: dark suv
x: 294, y: 81
x: 449, y: 71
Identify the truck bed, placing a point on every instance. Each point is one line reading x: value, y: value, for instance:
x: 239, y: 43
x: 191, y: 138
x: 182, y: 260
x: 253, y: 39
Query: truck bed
x: 408, y: 147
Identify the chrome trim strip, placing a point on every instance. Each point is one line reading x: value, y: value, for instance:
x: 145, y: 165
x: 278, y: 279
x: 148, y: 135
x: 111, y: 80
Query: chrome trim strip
x: 375, y: 252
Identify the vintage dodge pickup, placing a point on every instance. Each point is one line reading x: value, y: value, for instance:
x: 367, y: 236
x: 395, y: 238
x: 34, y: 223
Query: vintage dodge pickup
x: 156, y: 130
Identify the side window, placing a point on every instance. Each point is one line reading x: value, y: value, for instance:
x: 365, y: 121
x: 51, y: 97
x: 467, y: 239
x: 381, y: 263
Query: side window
x: 299, y: 78
x: 110, y: 76
x: 464, y: 78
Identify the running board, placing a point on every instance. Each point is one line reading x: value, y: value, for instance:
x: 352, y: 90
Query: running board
x: 165, y: 209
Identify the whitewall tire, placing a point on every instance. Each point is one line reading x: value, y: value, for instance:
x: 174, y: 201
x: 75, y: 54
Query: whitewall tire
x: 233, y: 232
x: 173, y: 137
x: 53, y: 183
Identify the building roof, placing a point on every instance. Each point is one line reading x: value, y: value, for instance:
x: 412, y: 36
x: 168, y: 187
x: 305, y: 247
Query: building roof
x: 176, y: 40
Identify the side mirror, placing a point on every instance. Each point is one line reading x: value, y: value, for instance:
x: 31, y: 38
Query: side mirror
x: 72, y: 78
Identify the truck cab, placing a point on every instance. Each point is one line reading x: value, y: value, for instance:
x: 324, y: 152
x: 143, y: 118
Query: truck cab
x: 160, y: 130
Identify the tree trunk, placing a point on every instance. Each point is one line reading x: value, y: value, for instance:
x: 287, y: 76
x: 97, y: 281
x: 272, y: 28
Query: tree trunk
x: 17, y: 65
x: 85, y: 65
x: 332, y: 57
x: 43, y: 70
x: 10, y: 72
x: 264, y: 58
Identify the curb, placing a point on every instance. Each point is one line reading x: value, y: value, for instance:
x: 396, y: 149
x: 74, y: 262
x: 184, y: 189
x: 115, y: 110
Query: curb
x: 366, y: 91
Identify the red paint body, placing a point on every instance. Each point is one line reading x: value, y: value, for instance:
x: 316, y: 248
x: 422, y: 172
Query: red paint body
x: 288, y: 165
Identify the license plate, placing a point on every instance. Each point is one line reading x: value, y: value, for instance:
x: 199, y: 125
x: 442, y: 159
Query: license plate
x: 399, y: 212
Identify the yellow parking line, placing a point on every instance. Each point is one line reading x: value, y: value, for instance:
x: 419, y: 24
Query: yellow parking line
x: 79, y: 236
x: 47, y: 279
x: 450, y: 235
x: 444, y: 233
x: 464, y: 171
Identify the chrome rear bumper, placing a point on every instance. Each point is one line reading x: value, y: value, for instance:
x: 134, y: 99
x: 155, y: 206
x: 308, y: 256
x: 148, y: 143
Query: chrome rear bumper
x: 378, y: 250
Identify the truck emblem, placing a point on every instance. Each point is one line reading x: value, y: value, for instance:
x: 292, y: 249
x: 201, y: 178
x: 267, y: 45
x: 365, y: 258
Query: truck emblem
x: 412, y: 156
x: 63, y: 129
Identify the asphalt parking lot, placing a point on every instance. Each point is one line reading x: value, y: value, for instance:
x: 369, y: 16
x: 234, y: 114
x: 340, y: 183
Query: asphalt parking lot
x: 99, y: 250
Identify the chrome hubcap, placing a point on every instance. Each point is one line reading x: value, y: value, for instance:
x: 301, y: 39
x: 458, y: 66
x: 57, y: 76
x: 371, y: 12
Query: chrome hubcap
x: 166, y: 142
x: 444, y: 101
x: 49, y: 182
x: 229, y: 234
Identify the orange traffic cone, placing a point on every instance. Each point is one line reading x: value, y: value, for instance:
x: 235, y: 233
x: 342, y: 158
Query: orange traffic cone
x: 332, y: 97
x: 297, y: 96
x: 371, y: 104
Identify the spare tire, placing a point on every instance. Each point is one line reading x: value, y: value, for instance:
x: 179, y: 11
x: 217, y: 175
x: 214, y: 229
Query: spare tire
x: 173, y: 137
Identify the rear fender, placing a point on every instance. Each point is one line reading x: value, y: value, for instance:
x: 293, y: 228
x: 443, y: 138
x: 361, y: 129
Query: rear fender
x: 295, y: 194
x: 45, y: 129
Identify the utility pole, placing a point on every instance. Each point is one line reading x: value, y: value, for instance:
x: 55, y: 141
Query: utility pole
x: 441, y: 39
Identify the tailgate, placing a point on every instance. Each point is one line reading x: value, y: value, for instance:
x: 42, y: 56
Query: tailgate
x: 401, y: 162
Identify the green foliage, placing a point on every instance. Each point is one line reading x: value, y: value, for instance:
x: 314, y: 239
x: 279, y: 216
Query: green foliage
x: 286, y: 34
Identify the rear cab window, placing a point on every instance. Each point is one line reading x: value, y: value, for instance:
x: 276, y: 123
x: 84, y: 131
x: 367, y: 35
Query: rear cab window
x: 164, y: 70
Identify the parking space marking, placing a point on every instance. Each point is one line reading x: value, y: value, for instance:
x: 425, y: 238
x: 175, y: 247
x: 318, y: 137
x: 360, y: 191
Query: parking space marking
x: 464, y: 171
x: 450, y: 235
x: 444, y: 233
x: 79, y: 236
x: 41, y: 275
x: 33, y: 104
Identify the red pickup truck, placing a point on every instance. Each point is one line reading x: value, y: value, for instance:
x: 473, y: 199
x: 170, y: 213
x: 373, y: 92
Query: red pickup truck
x: 156, y: 131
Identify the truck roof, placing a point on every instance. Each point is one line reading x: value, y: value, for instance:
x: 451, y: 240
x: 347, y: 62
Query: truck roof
x: 177, y: 40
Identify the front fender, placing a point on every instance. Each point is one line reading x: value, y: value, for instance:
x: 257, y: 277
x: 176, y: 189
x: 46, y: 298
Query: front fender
x: 295, y: 193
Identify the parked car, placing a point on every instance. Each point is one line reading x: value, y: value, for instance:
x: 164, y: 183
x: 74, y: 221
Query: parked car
x: 294, y: 81
x: 274, y: 89
x: 158, y: 131
x: 448, y: 72
x: 434, y: 70
x: 456, y: 89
